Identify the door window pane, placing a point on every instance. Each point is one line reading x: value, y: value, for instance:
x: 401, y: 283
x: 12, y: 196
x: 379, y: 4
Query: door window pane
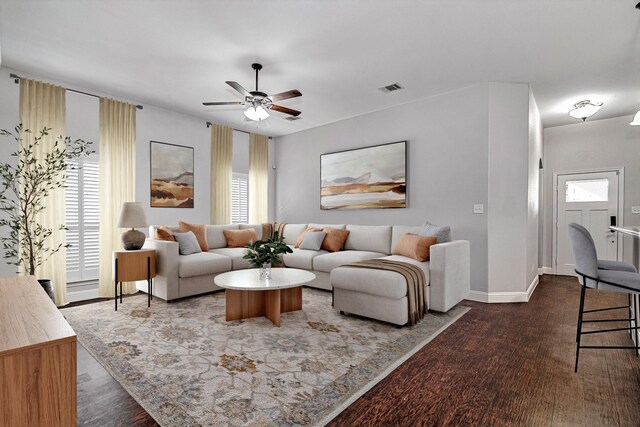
x: 587, y: 190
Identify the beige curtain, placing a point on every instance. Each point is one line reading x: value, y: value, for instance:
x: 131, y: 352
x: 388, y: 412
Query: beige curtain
x: 221, y: 172
x: 117, y: 182
x: 258, y: 178
x: 43, y: 105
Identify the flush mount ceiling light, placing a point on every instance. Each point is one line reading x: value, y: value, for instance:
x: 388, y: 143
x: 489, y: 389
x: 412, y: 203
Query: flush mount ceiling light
x: 585, y: 109
x: 636, y: 119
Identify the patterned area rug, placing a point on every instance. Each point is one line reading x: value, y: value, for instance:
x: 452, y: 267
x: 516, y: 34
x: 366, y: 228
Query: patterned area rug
x: 187, y: 366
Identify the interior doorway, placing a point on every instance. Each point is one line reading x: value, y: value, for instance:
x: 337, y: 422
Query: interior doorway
x: 593, y: 199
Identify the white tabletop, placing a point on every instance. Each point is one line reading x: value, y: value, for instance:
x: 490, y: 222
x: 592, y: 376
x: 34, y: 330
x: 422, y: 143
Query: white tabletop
x: 628, y: 231
x: 249, y: 280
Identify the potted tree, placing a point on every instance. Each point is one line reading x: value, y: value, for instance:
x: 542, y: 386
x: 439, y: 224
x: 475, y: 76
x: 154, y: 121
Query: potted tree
x: 25, y: 183
x: 266, y: 253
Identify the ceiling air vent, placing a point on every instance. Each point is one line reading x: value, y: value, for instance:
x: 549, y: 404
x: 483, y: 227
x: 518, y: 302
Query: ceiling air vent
x: 292, y: 118
x: 391, y: 88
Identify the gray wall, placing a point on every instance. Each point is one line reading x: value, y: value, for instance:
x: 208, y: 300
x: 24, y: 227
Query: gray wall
x: 447, y: 167
x: 590, y: 145
x: 534, y: 217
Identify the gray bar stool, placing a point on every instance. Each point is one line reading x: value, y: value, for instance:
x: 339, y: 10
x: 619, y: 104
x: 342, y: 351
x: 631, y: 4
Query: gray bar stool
x: 590, y: 275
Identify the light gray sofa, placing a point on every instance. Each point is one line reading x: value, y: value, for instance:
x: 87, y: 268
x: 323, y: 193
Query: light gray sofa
x: 447, y: 271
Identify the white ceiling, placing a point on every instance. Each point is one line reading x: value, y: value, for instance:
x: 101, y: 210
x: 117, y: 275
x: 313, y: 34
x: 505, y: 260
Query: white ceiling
x: 177, y: 54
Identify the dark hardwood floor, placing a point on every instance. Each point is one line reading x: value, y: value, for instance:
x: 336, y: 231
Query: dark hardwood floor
x: 500, y: 364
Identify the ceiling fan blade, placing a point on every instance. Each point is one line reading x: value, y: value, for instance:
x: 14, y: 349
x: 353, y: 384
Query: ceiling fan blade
x: 237, y: 86
x: 285, y: 95
x: 285, y: 110
x: 223, y: 103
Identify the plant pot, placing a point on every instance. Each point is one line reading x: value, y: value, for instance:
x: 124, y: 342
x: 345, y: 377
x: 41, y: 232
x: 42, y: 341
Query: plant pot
x: 265, y: 271
x: 48, y: 288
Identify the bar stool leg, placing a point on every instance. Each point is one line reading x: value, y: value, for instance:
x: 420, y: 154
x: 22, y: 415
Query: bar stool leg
x: 148, y: 281
x: 116, y: 289
x: 582, y: 292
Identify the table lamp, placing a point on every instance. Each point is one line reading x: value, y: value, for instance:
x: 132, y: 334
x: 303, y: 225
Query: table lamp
x: 132, y: 216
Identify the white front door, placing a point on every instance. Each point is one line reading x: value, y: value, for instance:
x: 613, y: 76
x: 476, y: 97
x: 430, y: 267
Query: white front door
x: 592, y: 200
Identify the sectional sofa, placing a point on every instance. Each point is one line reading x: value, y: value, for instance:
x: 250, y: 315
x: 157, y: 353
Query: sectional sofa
x: 447, y: 271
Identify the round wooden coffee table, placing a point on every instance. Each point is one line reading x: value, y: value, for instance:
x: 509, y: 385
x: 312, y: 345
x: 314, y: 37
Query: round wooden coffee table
x: 248, y: 296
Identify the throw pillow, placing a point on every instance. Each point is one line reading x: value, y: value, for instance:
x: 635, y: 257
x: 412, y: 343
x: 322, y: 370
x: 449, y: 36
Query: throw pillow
x: 199, y: 230
x: 414, y: 246
x: 301, y: 236
x: 164, y: 233
x: 187, y: 243
x: 443, y: 233
x: 334, y: 240
x: 240, y: 238
x: 313, y: 240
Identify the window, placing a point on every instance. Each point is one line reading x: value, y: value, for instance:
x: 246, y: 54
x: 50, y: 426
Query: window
x: 83, y: 220
x: 240, y: 198
x: 587, y: 190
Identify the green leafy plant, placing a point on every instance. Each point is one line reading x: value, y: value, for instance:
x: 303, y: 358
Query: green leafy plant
x: 267, y: 251
x: 25, y: 183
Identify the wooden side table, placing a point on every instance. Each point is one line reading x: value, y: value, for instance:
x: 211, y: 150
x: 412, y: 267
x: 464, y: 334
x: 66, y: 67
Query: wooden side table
x: 134, y: 265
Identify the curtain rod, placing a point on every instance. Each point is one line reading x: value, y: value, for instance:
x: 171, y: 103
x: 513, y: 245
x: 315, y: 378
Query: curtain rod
x: 209, y: 124
x: 16, y: 78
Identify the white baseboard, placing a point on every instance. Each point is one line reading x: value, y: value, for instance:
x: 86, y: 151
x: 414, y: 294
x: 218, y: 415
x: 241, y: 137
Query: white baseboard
x: 81, y: 295
x: 545, y: 270
x: 504, y: 297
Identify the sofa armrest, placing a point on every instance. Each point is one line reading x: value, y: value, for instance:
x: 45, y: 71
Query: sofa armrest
x: 166, y: 285
x: 449, y: 273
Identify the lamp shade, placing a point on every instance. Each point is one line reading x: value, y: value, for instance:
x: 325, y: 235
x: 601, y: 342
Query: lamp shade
x: 132, y: 216
x: 636, y: 120
x: 256, y: 113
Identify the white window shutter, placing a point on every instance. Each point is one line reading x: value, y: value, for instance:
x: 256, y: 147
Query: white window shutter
x: 240, y: 198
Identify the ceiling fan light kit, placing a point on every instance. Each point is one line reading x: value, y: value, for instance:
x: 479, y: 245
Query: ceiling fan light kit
x: 585, y: 109
x: 260, y: 102
x: 636, y: 118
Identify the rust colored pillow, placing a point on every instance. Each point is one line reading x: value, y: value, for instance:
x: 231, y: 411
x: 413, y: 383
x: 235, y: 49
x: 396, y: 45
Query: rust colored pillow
x: 301, y: 237
x: 164, y: 233
x: 414, y: 246
x: 200, y: 230
x: 334, y: 240
x: 240, y: 238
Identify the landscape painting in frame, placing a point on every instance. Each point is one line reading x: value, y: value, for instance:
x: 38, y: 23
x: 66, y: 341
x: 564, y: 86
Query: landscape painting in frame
x: 171, y: 175
x: 365, y: 178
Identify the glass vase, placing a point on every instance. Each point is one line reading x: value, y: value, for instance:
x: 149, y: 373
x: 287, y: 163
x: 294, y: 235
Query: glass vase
x: 265, y: 271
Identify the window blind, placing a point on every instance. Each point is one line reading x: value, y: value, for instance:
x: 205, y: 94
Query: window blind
x: 240, y: 198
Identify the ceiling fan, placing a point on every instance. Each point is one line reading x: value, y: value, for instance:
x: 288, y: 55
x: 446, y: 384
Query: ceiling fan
x: 260, y: 102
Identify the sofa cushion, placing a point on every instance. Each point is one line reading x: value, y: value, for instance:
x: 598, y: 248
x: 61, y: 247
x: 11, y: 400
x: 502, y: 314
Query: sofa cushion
x: 313, y: 240
x: 199, y: 230
x: 256, y: 227
x: 302, y: 258
x: 203, y: 263
x: 373, y: 238
x: 292, y: 231
x: 164, y: 233
x: 187, y: 243
x: 398, y: 231
x: 442, y: 232
x: 414, y: 246
x: 304, y: 233
x: 235, y: 254
x: 334, y: 240
x: 386, y: 284
x: 240, y: 238
x: 215, y: 235
x: 329, y: 261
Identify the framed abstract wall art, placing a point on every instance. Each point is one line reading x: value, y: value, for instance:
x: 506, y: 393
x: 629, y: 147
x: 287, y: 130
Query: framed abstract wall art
x: 364, y: 178
x: 171, y: 176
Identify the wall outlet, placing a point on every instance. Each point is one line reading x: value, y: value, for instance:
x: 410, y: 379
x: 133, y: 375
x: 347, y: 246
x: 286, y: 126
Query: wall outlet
x: 478, y: 208
x: 635, y: 209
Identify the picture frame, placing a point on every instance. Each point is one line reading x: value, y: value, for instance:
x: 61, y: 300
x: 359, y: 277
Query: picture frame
x: 171, y: 175
x: 371, y: 177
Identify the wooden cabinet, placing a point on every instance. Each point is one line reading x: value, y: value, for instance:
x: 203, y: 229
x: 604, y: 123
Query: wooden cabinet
x: 37, y: 358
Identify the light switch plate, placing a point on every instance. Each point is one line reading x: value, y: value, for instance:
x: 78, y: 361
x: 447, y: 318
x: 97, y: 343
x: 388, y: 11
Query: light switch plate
x: 478, y: 208
x: 635, y: 209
